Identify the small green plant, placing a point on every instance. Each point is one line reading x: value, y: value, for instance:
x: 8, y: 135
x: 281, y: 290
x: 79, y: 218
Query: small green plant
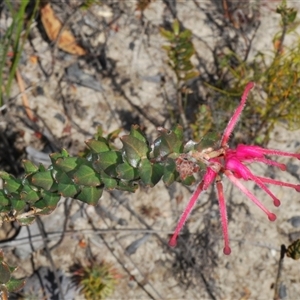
x: 87, y: 4
x: 276, y: 75
x: 180, y: 50
x: 8, y: 283
x: 12, y: 43
x: 95, y: 281
x: 203, y: 122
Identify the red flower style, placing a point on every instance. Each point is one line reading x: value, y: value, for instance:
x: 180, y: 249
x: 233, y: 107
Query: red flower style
x: 233, y: 164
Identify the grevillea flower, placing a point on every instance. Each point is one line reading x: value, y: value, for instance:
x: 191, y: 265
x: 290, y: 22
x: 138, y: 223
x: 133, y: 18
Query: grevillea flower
x: 233, y: 164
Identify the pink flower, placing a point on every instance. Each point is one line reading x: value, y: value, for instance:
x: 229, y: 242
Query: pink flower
x: 233, y: 164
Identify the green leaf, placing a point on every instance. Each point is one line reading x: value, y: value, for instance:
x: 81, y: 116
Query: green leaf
x: 17, y: 204
x: 176, y: 27
x: 4, y: 273
x: 178, y: 130
x: 66, y: 186
x: 43, y: 180
x: 12, y: 185
x: 5, y: 175
x: 5, y: 209
x: 99, y: 133
x: 138, y: 133
x: 64, y: 153
x: 54, y: 157
x: 108, y: 181
x: 167, y: 143
x: 127, y: 186
x: 186, y: 66
x: 170, y: 173
x: 113, y: 135
x: 68, y: 164
x: 42, y: 168
x: 12, y: 269
x: 29, y: 167
x: 15, y: 284
x: 189, y: 180
x: 185, y: 35
x: 150, y: 174
x: 134, y: 150
x: 190, y: 75
x: 209, y: 140
x: 25, y: 221
x: 108, y: 162
x: 169, y: 35
x: 126, y: 171
x: 167, y: 47
x: 90, y: 194
x: 3, y: 199
x: 29, y: 195
x: 97, y: 146
x: 48, y: 201
x: 86, y: 175
x: 292, y: 16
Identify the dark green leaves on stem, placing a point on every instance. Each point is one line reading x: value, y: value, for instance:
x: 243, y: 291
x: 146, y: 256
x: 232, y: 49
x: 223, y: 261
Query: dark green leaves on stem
x: 43, y: 180
x: 102, y: 167
x: 135, y: 147
x: 169, y: 141
x: 7, y: 282
x: 134, y: 150
x: 90, y: 194
x: 150, y: 173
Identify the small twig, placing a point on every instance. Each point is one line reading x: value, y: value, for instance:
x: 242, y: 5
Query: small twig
x: 44, y: 236
x: 226, y: 11
x: 67, y: 208
x: 31, y: 213
x: 24, y: 96
x: 280, y: 264
x: 29, y: 240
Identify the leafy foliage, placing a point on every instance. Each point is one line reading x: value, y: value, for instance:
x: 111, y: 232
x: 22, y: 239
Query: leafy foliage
x: 275, y: 75
x: 8, y: 283
x: 180, y: 50
x: 101, y: 167
x: 11, y: 44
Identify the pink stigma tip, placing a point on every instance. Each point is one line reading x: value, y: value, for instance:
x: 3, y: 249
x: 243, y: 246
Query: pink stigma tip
x: 272, y: 217
x: 297, y: 187
x: 277, y: 202
x: 282, y: 167
x: 172, y: 242
x: 226, y: 250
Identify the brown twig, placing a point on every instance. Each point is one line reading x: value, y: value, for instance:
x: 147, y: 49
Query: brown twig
x: 24, y: 96
x: 280, y: 264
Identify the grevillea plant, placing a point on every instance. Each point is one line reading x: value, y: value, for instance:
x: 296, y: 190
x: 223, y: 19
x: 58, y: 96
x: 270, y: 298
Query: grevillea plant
x: 233, y: 164
x: 168, y: 158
